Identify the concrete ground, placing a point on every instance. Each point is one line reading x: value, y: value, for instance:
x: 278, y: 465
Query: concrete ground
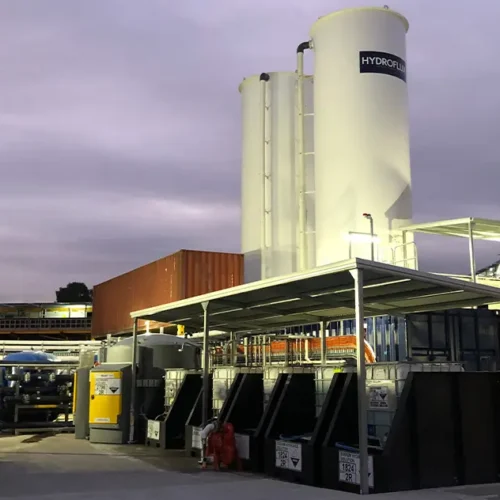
x: 62, y: 468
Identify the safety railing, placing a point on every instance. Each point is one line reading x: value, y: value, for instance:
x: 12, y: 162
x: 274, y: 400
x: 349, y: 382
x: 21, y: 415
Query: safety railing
x: 408, y: 252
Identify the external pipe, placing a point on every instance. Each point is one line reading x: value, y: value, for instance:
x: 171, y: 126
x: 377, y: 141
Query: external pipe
x: 301, y: 164
x: 268, y: 179
x: 264, y: 79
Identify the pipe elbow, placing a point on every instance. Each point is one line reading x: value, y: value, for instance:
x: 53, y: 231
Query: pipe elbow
x: 303, y: 47
x: 264, y: 77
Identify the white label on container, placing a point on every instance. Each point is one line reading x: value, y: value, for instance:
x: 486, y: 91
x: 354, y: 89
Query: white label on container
x: 196, y: 438
x: 102, y: 420
x: 378, y: 397
x: 154, y: 429
x: 108, y: 386
x: 289, y: 455
x: 349, y: 468
x: 243, y: 445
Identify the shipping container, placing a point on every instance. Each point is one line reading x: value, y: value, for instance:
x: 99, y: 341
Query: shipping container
x: 181, y: 275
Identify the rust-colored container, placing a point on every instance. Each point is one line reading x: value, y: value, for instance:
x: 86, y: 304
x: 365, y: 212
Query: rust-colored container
x: 181, y: 275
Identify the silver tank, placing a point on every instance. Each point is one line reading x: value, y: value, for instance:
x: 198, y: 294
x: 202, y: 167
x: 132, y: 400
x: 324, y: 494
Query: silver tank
x: 168, y: 351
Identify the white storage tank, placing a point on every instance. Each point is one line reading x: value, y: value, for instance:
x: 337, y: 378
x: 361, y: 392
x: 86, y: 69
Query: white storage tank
x: 269, y: 198
x: 361, y: 127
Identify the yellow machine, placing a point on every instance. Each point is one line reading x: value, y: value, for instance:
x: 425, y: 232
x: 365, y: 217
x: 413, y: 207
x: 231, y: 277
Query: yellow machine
x: 109, y: 409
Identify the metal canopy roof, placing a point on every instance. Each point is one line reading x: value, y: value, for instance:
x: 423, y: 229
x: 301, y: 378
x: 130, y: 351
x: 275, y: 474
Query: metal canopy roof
x: 483, y: 229
x: 324, y: 293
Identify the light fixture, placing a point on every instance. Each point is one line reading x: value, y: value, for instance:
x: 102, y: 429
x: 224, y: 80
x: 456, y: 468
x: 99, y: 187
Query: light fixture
x: 361, y: 237
x: 370, y: 218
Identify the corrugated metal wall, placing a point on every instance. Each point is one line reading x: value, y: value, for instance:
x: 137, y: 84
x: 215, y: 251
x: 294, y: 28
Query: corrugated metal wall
x: 184, y: 274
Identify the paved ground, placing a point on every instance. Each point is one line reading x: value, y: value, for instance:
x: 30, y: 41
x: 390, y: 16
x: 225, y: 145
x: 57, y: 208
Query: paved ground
x: 62, y: 468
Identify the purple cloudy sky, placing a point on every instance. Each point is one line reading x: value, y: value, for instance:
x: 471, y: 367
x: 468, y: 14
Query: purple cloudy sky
x: 119, y: 126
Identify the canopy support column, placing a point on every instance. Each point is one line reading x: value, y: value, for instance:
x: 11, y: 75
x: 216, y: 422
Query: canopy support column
x: 322, y: 335
x: 357, y: 274
x: 472, y: 255
x: 133, y: 394
x: 206, y: 363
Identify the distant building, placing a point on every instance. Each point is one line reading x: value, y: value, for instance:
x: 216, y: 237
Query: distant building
x: 51, y: 321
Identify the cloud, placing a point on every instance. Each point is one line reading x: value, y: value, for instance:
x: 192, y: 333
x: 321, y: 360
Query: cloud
x: 120, y: 126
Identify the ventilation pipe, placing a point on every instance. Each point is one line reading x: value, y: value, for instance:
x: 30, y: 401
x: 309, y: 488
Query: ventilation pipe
x: 266, y: 177
x: 301, y: 163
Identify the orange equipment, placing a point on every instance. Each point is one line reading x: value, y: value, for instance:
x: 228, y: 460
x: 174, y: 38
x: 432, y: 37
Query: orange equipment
x: 342, y: 345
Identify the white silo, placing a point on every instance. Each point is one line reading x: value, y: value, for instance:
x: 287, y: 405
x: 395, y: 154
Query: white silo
x: 361, y: 127
x: 268, y: 194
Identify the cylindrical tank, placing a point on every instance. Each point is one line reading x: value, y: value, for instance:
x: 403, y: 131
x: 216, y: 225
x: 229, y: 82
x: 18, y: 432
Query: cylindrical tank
x: 268, y: 194
x: 361, y: 127
x: 167, y: 351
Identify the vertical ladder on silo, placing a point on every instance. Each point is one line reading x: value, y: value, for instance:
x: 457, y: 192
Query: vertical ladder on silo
x: 313, y: 191
x: 303, y: 243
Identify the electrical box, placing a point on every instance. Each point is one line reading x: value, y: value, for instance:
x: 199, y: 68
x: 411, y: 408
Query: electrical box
x: 109, y: 408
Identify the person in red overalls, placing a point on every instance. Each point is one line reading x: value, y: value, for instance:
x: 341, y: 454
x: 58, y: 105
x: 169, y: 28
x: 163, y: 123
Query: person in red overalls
x: 220, y: 444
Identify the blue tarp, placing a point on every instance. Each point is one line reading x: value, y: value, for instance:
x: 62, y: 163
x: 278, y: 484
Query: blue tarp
x: 30, y: 357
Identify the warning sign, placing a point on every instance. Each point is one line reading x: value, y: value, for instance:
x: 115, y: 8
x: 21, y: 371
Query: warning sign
x: 196, y: 438
x: 349, y: 468
x: 378, y: 397
x: 154, y: 429
x: 289, y: 455
x: 108, y: 386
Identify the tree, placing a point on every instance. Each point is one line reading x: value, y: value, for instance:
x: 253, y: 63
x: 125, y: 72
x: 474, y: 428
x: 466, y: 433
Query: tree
x: 74, y: 292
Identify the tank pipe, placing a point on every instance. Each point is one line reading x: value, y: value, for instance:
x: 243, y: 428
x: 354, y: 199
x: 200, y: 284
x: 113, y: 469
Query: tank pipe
x: 264, y: 79
x: 301, y: 171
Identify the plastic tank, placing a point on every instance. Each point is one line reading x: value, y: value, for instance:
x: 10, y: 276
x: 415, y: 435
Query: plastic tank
x: 361, y: 126
x: 119, y: 354
x: 269, y: 198
x: 168, y: 351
